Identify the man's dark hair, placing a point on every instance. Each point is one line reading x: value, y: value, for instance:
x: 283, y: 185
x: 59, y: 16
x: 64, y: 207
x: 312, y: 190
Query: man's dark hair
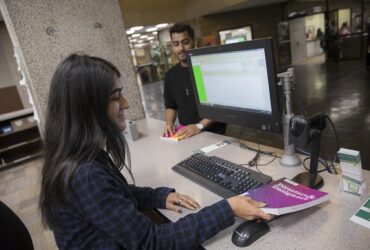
x: 181, y: 27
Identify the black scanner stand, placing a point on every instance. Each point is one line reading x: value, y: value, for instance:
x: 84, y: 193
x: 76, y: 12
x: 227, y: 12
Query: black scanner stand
x: 303, y: 131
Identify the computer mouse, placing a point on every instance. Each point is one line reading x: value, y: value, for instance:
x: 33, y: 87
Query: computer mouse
x: 248, y: 232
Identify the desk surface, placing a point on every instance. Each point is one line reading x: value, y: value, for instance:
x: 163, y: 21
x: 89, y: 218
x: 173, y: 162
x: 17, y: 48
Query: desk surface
x: 327, y: 226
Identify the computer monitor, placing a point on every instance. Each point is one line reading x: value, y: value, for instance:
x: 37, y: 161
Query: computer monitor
x: 235, y: 35
x: 236, y: 84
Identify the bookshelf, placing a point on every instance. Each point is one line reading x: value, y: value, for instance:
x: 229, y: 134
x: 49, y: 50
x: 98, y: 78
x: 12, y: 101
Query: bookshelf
x: 19, y: 138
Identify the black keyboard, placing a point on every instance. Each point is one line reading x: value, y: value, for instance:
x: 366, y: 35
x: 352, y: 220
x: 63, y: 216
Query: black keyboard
x: 220, y: 176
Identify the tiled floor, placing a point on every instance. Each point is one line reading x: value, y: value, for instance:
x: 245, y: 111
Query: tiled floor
x: 339, y: 89
x: 19, y: 189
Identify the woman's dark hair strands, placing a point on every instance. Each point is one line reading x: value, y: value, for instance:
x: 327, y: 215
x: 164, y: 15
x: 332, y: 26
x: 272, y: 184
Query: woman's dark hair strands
x: 76, y: 126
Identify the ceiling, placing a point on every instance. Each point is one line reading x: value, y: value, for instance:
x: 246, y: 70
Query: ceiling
x: 145, y: 13
x: 253, y: 3
x: 149, y: 12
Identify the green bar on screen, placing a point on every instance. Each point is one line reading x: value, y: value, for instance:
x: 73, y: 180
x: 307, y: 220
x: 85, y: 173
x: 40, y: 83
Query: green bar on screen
x: 200, y: 84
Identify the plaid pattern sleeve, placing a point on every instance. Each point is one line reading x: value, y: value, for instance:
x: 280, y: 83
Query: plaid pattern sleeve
x: 149, y: 198
x: 106, y: 216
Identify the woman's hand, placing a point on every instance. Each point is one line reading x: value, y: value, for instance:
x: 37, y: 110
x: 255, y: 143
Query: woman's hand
x: 176, y: 200
x: 247, y: 208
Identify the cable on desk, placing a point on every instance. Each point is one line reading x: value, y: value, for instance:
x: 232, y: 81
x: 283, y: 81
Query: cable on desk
x: 321, y: 160
x: 260, y: 165
x: 273, y: 159
x: 253, y: 162
x: 244, y: 146
x: 318, y: 171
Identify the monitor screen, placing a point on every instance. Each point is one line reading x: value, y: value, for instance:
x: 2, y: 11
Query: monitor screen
x: 236, y: 84
x: 235, y: 40
x: 235, y: 35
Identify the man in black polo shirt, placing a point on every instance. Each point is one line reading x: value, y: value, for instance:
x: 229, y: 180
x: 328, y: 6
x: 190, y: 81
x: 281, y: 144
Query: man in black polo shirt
x: 178, y: 93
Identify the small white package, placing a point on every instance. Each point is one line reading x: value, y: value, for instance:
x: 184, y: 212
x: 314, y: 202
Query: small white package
x: 352, y: 180
x: 350, y: 162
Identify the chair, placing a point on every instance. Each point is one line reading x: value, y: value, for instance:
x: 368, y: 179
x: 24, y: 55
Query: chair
x: 13, y: 233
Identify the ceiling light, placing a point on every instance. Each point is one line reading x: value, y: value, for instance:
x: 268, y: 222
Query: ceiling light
x: 150, y: 38
x: 151, y: 29
x: 129, y: 32
x: 137, y: 28
x: 141, y: 45
x: 161, y: 25
x: 155, y: 33
x: 135, y: 35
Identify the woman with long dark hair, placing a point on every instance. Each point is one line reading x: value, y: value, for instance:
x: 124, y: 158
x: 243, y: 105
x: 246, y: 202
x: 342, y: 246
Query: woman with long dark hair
x: 85, y: 200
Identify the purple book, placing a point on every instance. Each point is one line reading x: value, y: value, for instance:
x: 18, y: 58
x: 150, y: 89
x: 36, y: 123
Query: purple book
x: 285, y: 196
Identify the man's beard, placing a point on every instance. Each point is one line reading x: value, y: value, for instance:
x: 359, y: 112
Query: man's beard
x: 184, y: 60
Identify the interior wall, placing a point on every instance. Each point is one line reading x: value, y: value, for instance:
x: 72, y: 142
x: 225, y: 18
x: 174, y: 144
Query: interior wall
x: 9, y: 75
x: 263, y: 19
x: 314, y: 22
x: 44, y: 32
x: 307, y: 6
x: 148, y: 12
x: 344, y: 16
x: 6, y: 76
x: 354, y: 5
x: 304, y: 6
x: 297, y: 39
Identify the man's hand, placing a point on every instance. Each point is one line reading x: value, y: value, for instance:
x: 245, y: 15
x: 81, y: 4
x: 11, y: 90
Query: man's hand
x: 188, y: 131
x: 168, y: 131
x: 247, y: 208
x: 174, y: 200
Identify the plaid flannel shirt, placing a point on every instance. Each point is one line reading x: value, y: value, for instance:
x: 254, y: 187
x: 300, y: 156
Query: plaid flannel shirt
x: 103, y: 212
